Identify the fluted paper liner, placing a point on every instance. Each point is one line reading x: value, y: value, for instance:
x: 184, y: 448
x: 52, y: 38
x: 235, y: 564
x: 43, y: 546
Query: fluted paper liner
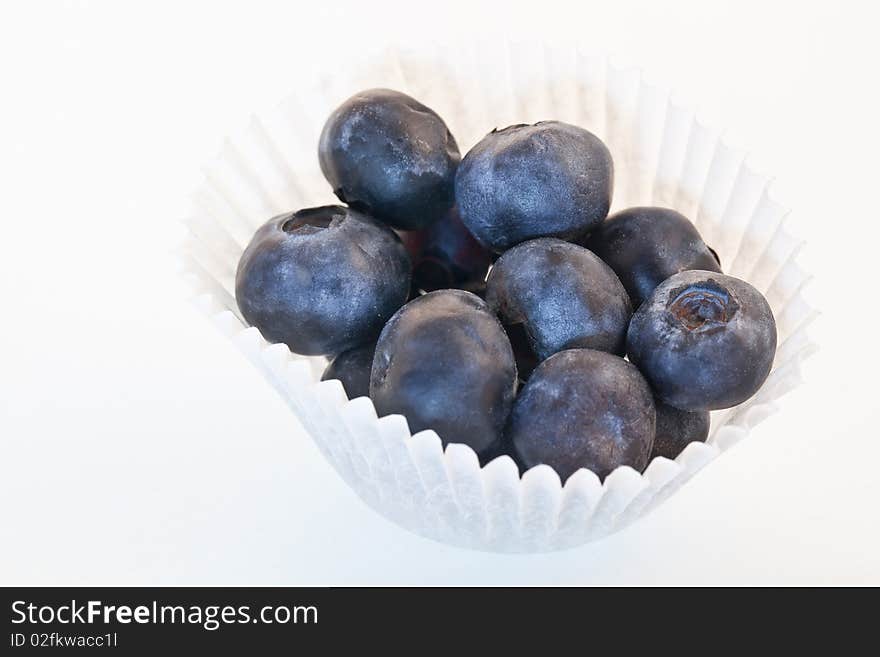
x: 662, y: 156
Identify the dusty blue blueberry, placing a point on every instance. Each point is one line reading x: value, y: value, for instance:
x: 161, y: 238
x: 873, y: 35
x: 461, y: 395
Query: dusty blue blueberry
x: 645, y: 246
x: 390, y: 156
x: 322, y: 280
x: 676, y: 429
x: 444, y: 362
x: 703, y: 340
x: 352, y: 368
x: 446, y: 255
x: 583, y: 408
x: 563, y: 295
x: 550, y: 179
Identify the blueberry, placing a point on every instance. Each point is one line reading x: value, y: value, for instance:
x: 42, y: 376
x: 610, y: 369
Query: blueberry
x: 645, y: 246
x: 583, y: 409
x: 446, y: 255
x: 550, y: 179
x: 563, y: 295
x: 322, y: 280
x: 677, y: 429
x: 444, y: 362
x: 703, y: 340
x: 390, y: 156
x: 352, y: 368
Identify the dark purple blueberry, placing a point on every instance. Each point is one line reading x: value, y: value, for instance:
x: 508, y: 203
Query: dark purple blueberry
x: 564, y: 296
x: 444, y: 362
x: 703, y: 340
x: 583, y: 408
x: 352, y: 368
x: 390, y: 156
x: 645, y: 246
x: 550, y: 179
x: 322, y: 280
x: 446, y: 255
x: 676, y: 429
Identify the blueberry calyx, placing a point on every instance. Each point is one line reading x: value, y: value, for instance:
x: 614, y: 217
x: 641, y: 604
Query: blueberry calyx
x: 314, y: 218
x: 515, y: 126
x: 701, y: 308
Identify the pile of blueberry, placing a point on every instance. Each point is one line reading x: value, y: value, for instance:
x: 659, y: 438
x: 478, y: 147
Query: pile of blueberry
x: 490, y: 298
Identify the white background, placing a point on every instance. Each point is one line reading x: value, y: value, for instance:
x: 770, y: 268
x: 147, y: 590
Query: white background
x: 138, y: 446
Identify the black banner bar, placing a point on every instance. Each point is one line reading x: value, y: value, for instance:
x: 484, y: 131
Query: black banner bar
x: 133, y: 621
x: 149, y: 620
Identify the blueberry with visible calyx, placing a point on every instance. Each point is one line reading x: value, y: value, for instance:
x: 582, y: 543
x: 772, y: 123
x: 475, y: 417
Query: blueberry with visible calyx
x: 583, y: 408
x: 387, y: 154
x: 676, y: 429
x: 703, y: 340
x: 352, y: 368
x: 322, y: 280
x: 563, y: 295
x: 550, y: 179
x: 444, y: 362
x: 646, y: 245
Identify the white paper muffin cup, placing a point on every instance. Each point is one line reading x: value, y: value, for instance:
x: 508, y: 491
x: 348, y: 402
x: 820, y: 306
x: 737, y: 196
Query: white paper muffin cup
x: 662, y: 156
